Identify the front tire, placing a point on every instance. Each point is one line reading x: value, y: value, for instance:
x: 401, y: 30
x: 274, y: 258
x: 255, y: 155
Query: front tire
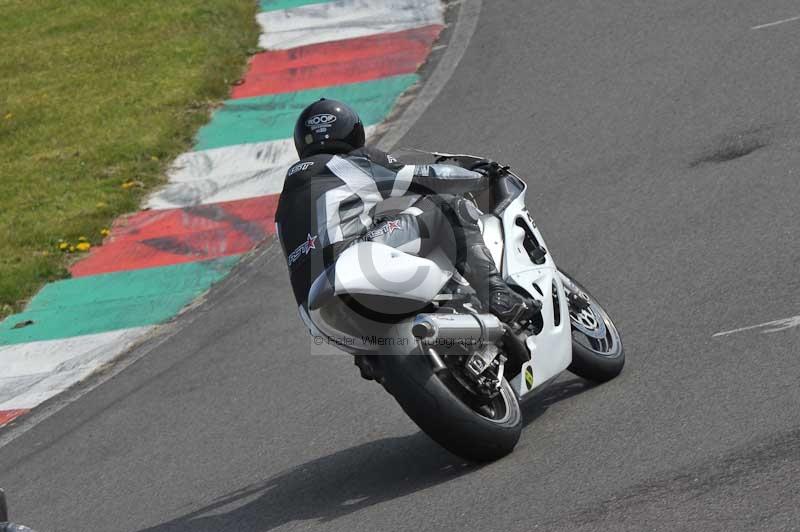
x: 597, y: 353
x: 429, y: 400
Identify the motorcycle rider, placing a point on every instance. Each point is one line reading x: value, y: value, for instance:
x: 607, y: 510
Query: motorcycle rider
x: 329, y: 198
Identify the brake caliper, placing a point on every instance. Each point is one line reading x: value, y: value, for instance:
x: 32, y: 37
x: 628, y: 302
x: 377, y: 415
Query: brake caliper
x: 483, y: 359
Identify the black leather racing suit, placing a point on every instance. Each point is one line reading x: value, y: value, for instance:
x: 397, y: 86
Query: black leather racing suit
x: 328, y: 203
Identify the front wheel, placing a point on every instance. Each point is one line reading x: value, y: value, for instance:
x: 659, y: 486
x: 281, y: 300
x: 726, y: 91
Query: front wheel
x: 443, y: 409
x: 597, y: 353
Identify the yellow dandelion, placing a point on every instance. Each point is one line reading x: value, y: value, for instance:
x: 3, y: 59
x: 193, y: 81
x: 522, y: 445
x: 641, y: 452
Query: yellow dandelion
x: 63, y: 246
x: 83, y: 246
x: 82, y: 239
x: 71, y: 249
x: 130, y: 184
x: 104, y: 232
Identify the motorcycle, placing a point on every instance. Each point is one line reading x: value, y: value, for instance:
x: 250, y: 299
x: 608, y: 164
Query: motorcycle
x: 416, y: 327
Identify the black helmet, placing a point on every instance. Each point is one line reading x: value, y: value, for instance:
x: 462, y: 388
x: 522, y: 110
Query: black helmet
x: 327, y: 126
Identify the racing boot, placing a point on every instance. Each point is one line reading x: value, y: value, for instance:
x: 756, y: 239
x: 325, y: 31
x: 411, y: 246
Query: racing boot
x: 501, y: 300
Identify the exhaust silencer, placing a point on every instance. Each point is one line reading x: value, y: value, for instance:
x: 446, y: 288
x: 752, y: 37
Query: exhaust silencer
x: 464, y: 329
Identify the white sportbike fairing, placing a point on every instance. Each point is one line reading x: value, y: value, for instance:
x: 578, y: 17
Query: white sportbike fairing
x: 551, y: 348
x: 454, y: 368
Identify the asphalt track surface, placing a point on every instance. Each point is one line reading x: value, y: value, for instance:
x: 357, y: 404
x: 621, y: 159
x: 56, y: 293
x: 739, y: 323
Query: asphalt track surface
x: 633, y: 121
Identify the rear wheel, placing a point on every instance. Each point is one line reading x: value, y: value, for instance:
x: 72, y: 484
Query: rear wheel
x: 597, y: 353
x: 474, y: 428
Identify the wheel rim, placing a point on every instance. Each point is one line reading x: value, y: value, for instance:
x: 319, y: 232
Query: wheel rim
x: 592, y: 328
x: 498, y: 410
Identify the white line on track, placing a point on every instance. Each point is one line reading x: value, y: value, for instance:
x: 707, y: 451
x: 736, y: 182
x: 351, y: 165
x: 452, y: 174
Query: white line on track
x: 770, y: 24
x: 770, y: 326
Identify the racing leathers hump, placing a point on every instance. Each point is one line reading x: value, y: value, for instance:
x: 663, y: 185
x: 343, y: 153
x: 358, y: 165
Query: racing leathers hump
x: 328, y: 201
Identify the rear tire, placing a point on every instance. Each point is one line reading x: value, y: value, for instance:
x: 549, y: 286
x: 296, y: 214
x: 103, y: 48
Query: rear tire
x: 597, y: 352
x: 443, y: 416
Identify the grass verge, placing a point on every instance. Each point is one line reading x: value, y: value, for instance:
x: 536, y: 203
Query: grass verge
x: 96, y: 98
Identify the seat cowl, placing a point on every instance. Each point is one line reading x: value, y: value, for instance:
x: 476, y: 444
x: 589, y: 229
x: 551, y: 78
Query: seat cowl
x: 371, y: 268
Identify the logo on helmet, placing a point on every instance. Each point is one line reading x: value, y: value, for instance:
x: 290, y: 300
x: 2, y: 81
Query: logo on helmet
x: 320, y: 122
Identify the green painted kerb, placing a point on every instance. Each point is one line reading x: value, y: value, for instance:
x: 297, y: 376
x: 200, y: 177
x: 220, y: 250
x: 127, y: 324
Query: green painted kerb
x: 112, y: 301
x: 274, y: 5
x: 272, y: 117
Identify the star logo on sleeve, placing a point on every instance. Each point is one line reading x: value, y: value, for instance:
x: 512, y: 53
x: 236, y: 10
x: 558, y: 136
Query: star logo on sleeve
x: 310, y: 243
x: 391, y: 225
x: 303, y: 249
